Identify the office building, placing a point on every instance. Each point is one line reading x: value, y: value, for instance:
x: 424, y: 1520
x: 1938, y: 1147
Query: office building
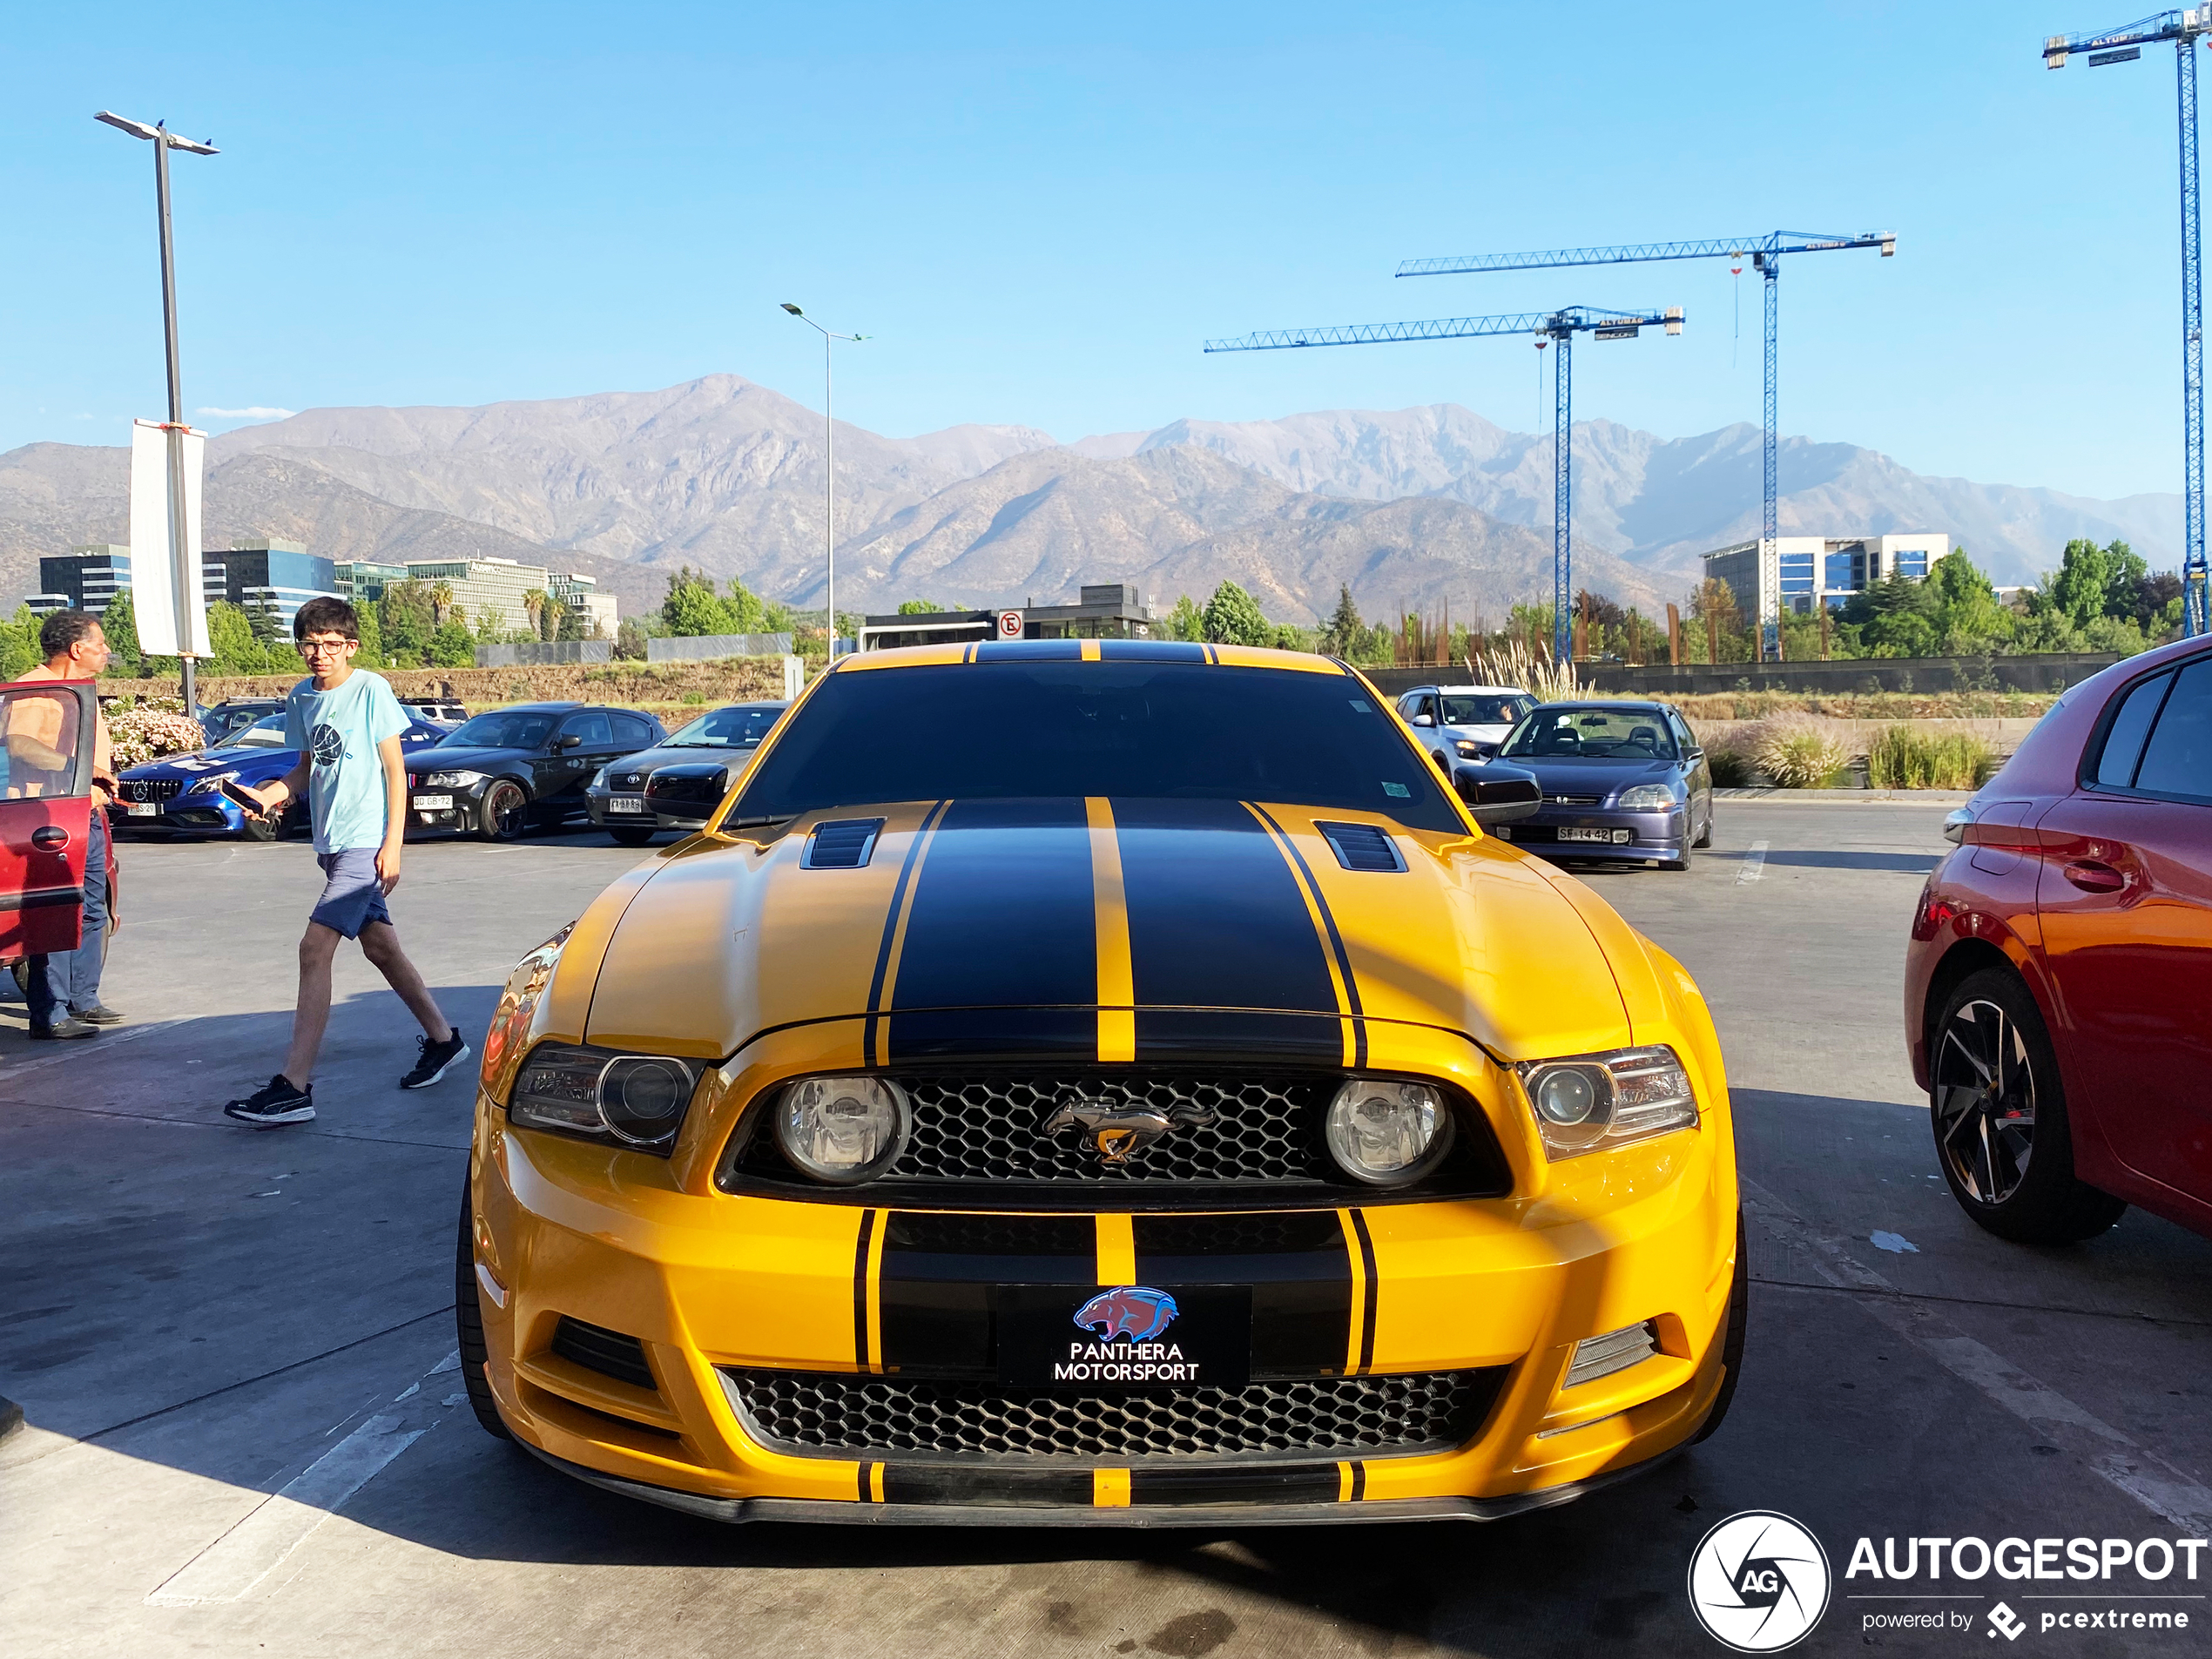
x: 580, y: 592
x: 363, y: 580
x: 486, y: 589
x: 84, y: 578
x: 1798, y: 572
x: 1104, y: 610
x: 270, y: 577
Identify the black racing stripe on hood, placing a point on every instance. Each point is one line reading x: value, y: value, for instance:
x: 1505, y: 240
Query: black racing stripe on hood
x: 891, y: 925
x: 1216, y: 919
x: 937, y: 1275
x: 1295, y: 1262
x: 1234, y: 1035
x: 1335, y: 937
x: 999, y: 1034
x: 1002, y: 911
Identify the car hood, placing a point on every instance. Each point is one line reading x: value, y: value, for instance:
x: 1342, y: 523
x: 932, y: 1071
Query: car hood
x: 257, y: 758
x: 668, y: 755
x: 1481, y: 733
x: 1137, y: 928
x: 437, y: 758
x: 1599, y: 776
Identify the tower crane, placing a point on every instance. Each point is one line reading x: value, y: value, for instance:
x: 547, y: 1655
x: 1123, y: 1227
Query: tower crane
x: 1766, y: 253
x: 1550, y: 327
x: 2124, y: 45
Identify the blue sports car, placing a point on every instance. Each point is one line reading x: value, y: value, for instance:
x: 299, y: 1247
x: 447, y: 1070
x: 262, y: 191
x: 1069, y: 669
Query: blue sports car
x: 185, y: 792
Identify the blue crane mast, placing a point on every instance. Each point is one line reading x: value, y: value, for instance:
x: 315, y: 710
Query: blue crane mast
x: 1766, y: 253
x: 2124, y: 45
x: 1558, y: 327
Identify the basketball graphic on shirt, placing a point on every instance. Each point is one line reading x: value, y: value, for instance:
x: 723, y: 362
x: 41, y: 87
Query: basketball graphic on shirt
x: 326, y: 745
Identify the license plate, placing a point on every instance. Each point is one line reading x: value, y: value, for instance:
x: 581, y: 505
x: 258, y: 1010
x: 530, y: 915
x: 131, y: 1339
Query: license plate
x: 433, y: 803
x: 1617, y: 837
x: 1124, y: 1337
x: 142, y: 808
x: 625, y: 803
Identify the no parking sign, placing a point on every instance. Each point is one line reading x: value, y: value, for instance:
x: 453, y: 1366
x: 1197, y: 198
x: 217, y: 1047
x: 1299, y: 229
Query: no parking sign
x: 1010, y: 624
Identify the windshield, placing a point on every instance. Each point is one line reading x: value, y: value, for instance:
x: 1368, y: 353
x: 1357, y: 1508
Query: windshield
x: 1610, y: 734
x: 1004, y: 730
x: 1484, y: 709
x: 733, y: 728
x: 264, y: 734
x: 501, y: 730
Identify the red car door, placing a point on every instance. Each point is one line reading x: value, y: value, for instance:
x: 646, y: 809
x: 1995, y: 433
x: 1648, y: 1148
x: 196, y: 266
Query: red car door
x: 45, y: 813
x: 2125, y: 901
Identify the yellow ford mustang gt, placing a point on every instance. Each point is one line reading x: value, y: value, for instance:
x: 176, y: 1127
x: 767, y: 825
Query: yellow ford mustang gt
x: 1107, y: 1082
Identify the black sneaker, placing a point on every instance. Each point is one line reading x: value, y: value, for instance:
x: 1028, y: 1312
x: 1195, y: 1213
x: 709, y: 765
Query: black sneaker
x: 279, y: 1103
x: 99, y: 1013
x: 431, y: 1062
x: 62, y: 1030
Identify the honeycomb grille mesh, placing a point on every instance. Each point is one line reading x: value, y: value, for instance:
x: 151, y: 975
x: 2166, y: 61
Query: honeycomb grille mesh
x: 990, y: 1128
x: 1325, y: 1417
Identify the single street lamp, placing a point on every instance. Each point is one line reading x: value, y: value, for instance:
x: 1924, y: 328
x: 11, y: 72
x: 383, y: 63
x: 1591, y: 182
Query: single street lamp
x: 829, y: 468
x: 164, y: 142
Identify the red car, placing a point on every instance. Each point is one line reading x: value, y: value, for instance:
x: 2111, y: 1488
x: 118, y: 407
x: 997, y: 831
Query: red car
x: 45, y: 813
x: 2058, y: 989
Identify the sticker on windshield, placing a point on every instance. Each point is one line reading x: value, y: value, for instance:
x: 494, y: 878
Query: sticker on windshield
x: 1360, y: 705
x: 1397, y: 792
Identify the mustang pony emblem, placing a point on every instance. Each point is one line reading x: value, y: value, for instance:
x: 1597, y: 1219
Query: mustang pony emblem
x: 1117, y: 1128
x: 1134, y: 1310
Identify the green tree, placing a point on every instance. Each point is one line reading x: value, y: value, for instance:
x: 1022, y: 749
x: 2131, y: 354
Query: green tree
x: 1185, y: 622
x: 1341, y: 634
x: 692, y: 608
x: 918, y: 607
x: 406, y: 629
x: 2077, y: 590
x: 1968, y: 618
x: 371, y: 654
x: 19, y: 652
x: 1233, y: 617
x: 230, y: 632
x: 630, y: 639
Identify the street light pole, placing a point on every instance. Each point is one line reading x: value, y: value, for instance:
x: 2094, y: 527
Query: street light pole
x: 829, y: 468
x: 163, y: 141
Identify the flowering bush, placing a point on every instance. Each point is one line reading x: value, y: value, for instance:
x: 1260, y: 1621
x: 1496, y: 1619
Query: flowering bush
x: 149, y: 731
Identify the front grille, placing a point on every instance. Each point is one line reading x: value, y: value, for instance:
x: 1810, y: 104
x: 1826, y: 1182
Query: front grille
x: 982, y: 1135
x: 626, y: 780
x: 151, y: 788
x: 1574, y: 800
x: 842, y: 1416
x: 609, y: 1352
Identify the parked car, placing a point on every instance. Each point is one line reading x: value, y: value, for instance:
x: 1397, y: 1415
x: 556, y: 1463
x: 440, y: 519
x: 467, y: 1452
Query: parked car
x: 2059, y: 973
x: 503, y: 773
x: 234, y: 714
x: 1625, y: 782
x: 616, y: 795
x: 46, y: 822
x: 439, y: 710
x: 184, y: 792
x: 1120, y: 1087
x: 1464, y: 722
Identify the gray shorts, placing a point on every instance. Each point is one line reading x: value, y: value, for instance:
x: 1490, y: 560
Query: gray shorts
x: 352, y: 896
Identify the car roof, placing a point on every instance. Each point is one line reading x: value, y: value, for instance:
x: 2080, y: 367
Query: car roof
x: 1485, y: 691
x: 1624, y: 705
x: 1068, y: 651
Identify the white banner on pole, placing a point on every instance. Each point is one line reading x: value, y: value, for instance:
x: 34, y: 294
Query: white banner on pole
x: 166, y: 594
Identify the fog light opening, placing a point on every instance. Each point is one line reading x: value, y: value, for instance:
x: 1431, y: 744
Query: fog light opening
x: 1384, y: 1132
x: 842, y: 1130
x: 1596, y: 1357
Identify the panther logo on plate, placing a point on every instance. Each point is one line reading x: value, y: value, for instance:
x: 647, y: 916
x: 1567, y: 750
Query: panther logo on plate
x: 1137, y: 1312
x: 326, y: 745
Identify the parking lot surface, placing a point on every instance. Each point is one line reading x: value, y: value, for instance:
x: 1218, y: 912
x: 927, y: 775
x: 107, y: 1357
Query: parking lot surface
x: 234, y: 1349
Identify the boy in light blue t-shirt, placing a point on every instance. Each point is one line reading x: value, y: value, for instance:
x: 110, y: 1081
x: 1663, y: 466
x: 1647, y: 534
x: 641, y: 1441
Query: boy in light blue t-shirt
x: 346, y: 725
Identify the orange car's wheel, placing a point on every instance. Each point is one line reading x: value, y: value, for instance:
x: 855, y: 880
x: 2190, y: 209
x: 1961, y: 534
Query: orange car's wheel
x: 1999, y: 1113
x: 469, y: 1326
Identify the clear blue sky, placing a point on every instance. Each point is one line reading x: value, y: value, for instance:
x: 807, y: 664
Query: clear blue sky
x: 1039, y: 215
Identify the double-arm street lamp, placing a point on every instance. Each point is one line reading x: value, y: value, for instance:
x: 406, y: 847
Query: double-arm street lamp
x: 829, y: 466
x: 188, y: 581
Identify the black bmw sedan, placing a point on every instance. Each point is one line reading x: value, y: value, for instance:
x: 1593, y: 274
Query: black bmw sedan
x: 504, y: 773
x: 1624, y: 782
x: 712, y: 749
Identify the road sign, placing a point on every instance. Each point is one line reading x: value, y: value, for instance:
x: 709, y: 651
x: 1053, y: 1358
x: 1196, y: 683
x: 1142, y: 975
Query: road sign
x: 1011, y: 624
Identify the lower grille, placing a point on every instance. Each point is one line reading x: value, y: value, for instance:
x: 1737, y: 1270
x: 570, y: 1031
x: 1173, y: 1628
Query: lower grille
x: 609, y: 1352
x: 1365, y: 1417
x: 150, y: 788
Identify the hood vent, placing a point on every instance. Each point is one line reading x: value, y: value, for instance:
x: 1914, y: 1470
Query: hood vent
x: 1361, y: 846
x: 843, y: 844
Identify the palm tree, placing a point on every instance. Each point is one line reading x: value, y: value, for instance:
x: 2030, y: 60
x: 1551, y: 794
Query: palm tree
x: 534, y: 602
x: 441, y: 602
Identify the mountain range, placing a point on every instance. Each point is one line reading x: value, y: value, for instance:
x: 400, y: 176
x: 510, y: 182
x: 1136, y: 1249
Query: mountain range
x: 1423, y: 507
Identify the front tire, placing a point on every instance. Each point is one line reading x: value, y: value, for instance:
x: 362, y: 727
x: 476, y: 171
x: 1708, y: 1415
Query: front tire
x: 1998, y: 1110
x: 505, y: 814
x: 469, y: 1327
x: 259, y: 829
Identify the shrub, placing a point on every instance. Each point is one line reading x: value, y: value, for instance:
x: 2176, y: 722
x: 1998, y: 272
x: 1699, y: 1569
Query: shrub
x: 1901, y: 758
x: 1731, y: 760
x: 1797, y: 750
x: 147, y: 733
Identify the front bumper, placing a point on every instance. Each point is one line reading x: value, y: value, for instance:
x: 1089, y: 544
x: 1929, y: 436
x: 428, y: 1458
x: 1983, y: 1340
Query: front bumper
x: 1636, y: 838
x: 715, y: 1288
x: 462, y: 809
x: 594, y: 802
x: 201, y: 814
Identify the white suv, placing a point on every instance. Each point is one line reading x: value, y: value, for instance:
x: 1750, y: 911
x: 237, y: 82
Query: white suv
x: 1464, y: 722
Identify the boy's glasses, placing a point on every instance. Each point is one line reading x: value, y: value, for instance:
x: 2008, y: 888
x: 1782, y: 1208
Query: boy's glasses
x: 315, y: 647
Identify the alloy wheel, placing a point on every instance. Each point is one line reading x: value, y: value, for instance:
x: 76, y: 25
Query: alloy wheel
x: 1985, y: 1101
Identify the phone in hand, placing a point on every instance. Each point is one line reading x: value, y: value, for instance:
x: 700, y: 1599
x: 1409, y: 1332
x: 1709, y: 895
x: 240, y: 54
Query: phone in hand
x: 253, y: 805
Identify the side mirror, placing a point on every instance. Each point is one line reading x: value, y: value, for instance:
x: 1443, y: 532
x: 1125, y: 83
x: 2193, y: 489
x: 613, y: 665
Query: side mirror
x: 1422, y: 719
x: 1498, y: 793
x: 570, y: 741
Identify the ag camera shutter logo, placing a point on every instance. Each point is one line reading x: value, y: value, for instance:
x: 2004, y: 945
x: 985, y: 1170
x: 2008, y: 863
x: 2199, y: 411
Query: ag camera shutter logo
x: 1758, y: 1581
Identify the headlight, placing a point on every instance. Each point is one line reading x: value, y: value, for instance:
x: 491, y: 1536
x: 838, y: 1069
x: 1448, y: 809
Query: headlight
x: 843, y: 1130
x: 1385, y: 1132
x: 1468, y: 748
x: 1646, y: 797
x: 599, y: 777
x: 636, y: 1099
x: 452, y: 780
x: 209, y: 784
x: 1594, y: 1102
